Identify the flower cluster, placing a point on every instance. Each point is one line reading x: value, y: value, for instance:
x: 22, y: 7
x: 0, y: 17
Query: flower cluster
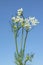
x: 26, y: 23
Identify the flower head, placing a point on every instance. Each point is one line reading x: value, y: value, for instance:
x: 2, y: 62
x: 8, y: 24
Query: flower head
x: 27, y: 24
x: 17, y: 19
x: 20, y: 12
x: 33, y: 21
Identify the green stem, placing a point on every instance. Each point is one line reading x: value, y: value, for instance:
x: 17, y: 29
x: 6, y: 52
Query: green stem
x: 22, y: 39
x: 25, y: 41
x: 16, y: 42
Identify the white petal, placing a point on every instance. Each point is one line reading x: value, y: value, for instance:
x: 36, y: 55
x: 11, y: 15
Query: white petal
x: 13, y: 19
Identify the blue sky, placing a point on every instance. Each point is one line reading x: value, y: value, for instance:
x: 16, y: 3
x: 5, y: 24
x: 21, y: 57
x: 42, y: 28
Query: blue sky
x: 35, y: 36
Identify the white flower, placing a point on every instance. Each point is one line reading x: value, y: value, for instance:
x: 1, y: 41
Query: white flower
x: 20, y: 12
x: 33, y: 21
x: 21, y: 20
x: 13, y: 19
x: 17, y: 19
x: 27, y: 26
x: 26, y: 20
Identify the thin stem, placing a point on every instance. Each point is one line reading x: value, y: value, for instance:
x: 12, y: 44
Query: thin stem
x: 22, y: 35
x: 22, y: 39
x: 16, y: 42
x: 25, y: 41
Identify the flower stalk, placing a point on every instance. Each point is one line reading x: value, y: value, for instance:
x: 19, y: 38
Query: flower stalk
x: 25, y: 25
x: 21, y: 39
x: 25, y: 41
x: 16, y: 43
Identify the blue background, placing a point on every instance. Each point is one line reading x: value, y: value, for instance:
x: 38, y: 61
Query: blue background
x: 35, y: 36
